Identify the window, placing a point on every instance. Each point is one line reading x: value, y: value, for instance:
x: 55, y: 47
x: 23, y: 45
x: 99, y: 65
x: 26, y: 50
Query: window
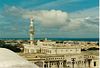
x: 94, y: 63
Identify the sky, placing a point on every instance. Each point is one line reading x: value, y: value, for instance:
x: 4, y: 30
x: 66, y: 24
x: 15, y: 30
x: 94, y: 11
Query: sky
x: 52, y: 18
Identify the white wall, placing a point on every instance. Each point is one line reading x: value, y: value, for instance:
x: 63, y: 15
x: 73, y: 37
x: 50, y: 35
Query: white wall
x: 64, y: 51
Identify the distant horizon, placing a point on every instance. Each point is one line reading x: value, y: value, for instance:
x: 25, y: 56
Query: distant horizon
x: 59, y: 39
x: 48, y: 37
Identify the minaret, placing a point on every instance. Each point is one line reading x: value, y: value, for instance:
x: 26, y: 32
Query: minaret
x: 31, y: 31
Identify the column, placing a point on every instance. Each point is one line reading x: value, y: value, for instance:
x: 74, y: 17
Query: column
x: 48, y: 64
x: 43, y: 64
x: 85, y: 62
x: 60, y: 64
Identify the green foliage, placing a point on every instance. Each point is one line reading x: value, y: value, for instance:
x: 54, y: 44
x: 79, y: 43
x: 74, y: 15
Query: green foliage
x: 2, y: 42
x: 14, y: 48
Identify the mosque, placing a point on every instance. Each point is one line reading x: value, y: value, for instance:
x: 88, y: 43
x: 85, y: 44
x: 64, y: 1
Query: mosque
x: 49, y: 54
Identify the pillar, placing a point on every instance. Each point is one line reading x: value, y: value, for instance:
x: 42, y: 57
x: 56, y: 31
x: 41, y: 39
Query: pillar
x: 60, y: 64
x: 43, y: 64
x: 48, y: 64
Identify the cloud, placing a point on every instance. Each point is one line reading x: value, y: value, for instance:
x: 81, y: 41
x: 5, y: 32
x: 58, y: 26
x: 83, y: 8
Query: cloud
x: 54, y: 21
x: 88, y: 18
x: 67, y: 21
x: 48, y: 18
x: 74, y: 24
x: 53, y: 18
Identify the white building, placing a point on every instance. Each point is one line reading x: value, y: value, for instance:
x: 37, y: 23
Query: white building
x: 50, y: 47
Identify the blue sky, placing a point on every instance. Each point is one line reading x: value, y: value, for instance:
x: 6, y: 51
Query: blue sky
x: 52, y: 18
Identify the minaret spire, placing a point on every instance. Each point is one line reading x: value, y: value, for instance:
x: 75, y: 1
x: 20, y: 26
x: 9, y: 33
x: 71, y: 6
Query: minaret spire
x: 31, y: 30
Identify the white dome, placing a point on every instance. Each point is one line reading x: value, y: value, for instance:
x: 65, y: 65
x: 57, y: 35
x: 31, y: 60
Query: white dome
x: 9, y: 59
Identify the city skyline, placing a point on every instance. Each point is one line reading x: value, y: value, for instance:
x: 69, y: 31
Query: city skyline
x: 52, y: 18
